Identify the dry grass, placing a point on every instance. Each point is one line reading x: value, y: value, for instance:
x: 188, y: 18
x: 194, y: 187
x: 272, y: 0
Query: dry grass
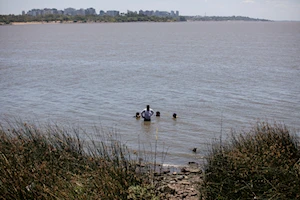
x: 54, y: 163
x: 261, y: 164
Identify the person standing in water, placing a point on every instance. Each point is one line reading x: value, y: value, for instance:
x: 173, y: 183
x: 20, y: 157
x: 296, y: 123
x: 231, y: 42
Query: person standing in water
x: 147, y: 113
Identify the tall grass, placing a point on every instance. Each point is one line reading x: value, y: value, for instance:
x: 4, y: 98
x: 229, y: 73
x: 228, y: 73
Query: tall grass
x: 263, y: 163
x: 54, y: 163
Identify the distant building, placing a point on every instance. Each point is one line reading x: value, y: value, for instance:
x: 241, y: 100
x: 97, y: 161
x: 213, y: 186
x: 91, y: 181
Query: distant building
x: 80, y: 12
x: 174, y: 14
x: 159, y: 13
x: 129, y: 12
x: 60, y: 12
x: 90, y: 11
x: 33, y: 12
x: 45, y: 11
x: 162, y: 13
x: 70, y: 11
x: 112, y: 13
x: 148, y: 12
x: 48, y: 11
x: 101, y: 13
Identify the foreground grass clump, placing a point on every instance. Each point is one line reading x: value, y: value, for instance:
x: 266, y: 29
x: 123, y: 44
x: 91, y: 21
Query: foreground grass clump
x: 261, y: 164
x: 53, y: 164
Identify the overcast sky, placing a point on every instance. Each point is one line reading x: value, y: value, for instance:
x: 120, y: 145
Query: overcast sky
x: 267, y: 9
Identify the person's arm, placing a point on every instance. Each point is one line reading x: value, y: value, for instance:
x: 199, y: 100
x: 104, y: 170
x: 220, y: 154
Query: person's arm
x: 152, y: 112
x: 142, y: 113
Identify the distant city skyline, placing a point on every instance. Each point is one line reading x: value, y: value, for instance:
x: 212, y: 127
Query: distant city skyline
x: 264, y: 9
x: 91, y: 11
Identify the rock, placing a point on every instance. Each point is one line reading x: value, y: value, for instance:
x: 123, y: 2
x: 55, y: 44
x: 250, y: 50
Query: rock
x: 196, y: 171
x: 167, y: 189
x: 185, y: 195
x: 140, y: 165
x: 191, y: 170
x: 185, y: 182
x: 193, y: 194
x: 181, y: 184
x: 185, y: 170
x: 191, y: 189
x: 179, y: 192
x: 156, y: 174
x: 193, y: 164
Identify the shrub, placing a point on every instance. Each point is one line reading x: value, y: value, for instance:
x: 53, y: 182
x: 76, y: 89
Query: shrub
x: 54, y: 163
x: 140, y: 192
x: 261, y: 164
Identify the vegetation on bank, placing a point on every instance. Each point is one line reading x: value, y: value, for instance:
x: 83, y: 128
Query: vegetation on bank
x: 55, y: 163
x: 261, y: 164
x: 223, y: 18
x: 130, y: 17
x: 49, y: 162
x: 7, y: 19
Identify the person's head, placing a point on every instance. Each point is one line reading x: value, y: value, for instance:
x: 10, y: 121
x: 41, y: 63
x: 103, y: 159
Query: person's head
x: 137, y: 114
x: 148, y: 107
x: 157, y: 114
x: 174, y: 115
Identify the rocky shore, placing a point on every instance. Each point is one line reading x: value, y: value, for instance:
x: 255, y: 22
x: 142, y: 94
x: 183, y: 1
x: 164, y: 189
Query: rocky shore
x: 181, y: 184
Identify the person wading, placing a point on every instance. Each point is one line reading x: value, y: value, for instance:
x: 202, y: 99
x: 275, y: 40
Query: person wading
x: 147, y: 113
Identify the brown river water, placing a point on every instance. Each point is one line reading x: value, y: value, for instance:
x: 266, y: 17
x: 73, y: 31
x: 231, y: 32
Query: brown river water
x: 217, y: 76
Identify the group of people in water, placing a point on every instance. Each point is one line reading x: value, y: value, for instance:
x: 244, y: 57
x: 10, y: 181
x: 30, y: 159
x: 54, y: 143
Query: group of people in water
x: 147, y: 113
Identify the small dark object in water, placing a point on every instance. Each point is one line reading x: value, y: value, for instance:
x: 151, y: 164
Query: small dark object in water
x: 137, y: 115
x: 194, y: 150
x: 174, y: 115
x: 157, y: 114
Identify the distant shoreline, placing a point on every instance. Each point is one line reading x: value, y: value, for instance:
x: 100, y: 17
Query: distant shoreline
x: 224, y: 18
x: 54, y: 19
x: 52, y: 22
x: 71, y: 22
x: 97, y: 22
x: 29, y: 23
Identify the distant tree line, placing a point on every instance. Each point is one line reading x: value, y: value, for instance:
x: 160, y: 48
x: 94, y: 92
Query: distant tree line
x: 132, y: 17
x: 220, y: 18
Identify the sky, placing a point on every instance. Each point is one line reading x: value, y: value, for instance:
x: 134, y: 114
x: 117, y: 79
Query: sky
x: 264, y: 9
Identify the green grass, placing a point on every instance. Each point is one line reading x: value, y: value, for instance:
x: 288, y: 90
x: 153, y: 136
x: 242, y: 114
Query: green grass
x: 49, y: 162
x: 261, y: 164
x: 54, y: 163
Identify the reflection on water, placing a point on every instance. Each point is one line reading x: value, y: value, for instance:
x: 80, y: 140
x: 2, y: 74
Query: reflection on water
x: 148, y: 127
